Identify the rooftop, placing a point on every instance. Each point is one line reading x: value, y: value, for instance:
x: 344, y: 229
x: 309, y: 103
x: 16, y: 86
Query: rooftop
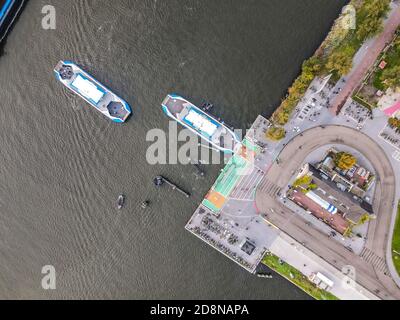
x: 88, y: 89
x: 351, y: 208
x: 336, y: 221
x: 393, y: 110
x: 201, y: 122
x: 344, y: 196
x: 356, y: 180
x: 248, y: 247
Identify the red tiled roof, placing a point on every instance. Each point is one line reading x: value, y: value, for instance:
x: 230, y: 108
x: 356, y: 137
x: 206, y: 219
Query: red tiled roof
x: 336, y: 221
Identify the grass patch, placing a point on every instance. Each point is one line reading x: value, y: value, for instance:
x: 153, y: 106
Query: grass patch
x: 392, y: 58
x: 297, y: 278
x: 396, y: 242
x: 377, y: 82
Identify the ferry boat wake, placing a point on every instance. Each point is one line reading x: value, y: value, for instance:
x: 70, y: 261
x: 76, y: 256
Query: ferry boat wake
x: 93, y: 92
x: 201, y: 123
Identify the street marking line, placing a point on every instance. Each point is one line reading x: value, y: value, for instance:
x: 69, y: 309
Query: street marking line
x: 243, y: 200
x: 396, y: 155
x: 247, y: 185
x: 246, y: 188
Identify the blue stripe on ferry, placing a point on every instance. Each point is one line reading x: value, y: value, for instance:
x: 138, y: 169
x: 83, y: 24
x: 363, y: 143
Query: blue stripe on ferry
x: 332, y: 209
x: 5, y: 8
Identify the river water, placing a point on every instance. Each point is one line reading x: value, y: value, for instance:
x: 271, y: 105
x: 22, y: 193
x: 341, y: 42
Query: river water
x: 62, y: 164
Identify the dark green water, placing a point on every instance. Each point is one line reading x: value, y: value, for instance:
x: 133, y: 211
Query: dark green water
x: 62, y: 164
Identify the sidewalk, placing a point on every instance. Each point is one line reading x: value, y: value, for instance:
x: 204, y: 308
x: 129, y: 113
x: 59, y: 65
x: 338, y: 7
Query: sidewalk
x: 307, y: 263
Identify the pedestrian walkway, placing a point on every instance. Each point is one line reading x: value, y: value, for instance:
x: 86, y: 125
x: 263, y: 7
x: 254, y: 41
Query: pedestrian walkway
x: 308, y: 263
x: 360, y: 70
x: 245, y: 189
x: 270, y: 188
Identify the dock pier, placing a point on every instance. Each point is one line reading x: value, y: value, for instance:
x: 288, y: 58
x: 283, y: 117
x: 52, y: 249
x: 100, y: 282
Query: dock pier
x: 160, y: 180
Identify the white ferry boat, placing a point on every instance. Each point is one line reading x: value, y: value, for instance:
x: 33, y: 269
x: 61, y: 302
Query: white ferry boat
x: 96, y: 94
x: 201, y: 123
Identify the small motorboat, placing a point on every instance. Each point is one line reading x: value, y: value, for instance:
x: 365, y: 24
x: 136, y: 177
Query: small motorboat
x: 158, y: 181
x: 145, y: 204
x: 265, y: 275
x: 120, y: 202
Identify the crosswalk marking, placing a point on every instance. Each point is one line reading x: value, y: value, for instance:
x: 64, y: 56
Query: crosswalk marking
x: 244, y: 190
x: 396, y: 155
x: 372, y: 258
x: 270, y: 188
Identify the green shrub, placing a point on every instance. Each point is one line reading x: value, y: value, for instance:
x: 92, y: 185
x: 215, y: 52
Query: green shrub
x: 276, y: 133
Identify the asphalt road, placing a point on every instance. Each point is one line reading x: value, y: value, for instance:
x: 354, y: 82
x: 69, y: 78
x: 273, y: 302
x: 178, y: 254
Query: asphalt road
x: 369, y: 271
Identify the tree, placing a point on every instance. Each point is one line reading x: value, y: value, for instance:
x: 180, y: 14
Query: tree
x: 303, y: 181
x: 364, y: 219
x: 340, y: 30
x: 341, y: 60
x: 394, y: 123
x: 369, y: 28
x: 312, y: 186
x: 276, y: 133
x: 312, y: 66
x: 283, y: 117
x: 370, y: 18
x: 391, y: 76
x: 345, y: 160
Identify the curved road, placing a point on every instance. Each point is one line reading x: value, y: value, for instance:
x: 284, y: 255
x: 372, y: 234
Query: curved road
x: 369, y: 271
